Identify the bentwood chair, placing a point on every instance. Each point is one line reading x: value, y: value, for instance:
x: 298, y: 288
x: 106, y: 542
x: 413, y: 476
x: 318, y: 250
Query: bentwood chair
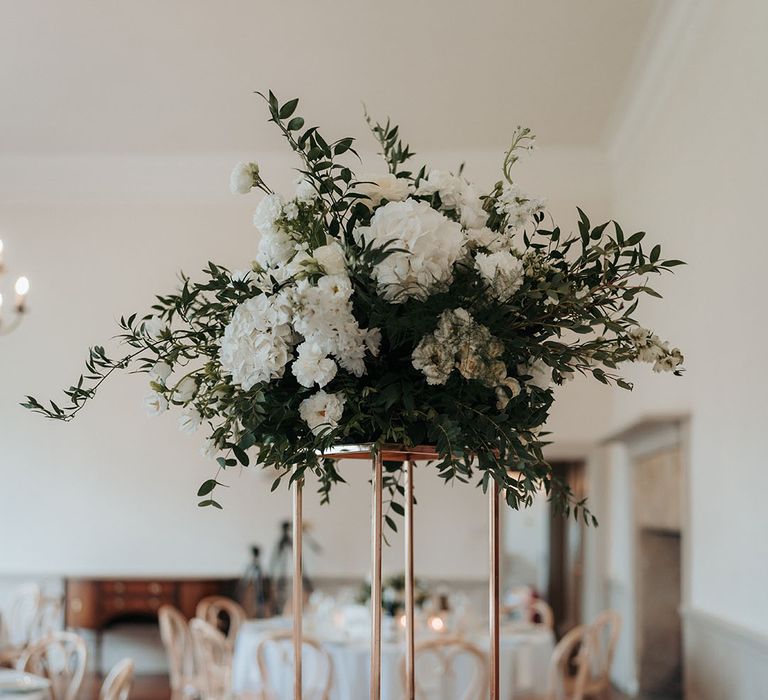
x: 317, y: 666
x: 604, y: 633
x: 534, y: 611
x: 436, y: 662
x: 213, y: 660
x: 177, y: 640
x: 569, y: 666
x: 117, y: 684
x: 224, y: 614
x: 61, y: 658
x: 20, y: 625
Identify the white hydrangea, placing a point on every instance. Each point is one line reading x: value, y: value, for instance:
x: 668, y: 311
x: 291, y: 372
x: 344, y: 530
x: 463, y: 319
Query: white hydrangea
x: 519, y: 208
x: 431, y: 244
x: 257, y: 343
x: 540, y: 373
x: 322, y: 411
x: 377, y: 188
x: 502, y: 272
x: 243, y: 178
x: 312, y: 365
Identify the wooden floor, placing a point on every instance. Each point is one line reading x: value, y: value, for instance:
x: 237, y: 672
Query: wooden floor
x: 156, y: 688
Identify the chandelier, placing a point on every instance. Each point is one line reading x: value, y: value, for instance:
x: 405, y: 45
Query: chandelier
x: 21, y: 289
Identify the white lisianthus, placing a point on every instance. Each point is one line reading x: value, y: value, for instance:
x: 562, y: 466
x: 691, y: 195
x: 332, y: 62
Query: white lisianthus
x: 190, y: 421
x: 322, y: 411
x: 268, y: 212
x: 185, y: 390
x: 161, y: 371
x: 502, y: 272
x: 331, y: 258
x: 257, y: 342
x: 155, y: 403
x: 431, y: 244
x: 153, y: 327
x: 313, y: 366
x: 377, y: 188
x: 305, y: 191
x: 243, y: 178
x: 540, y: 373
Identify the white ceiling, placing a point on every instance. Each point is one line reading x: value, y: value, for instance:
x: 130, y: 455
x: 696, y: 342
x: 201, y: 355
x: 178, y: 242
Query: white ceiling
x: 163, y: 76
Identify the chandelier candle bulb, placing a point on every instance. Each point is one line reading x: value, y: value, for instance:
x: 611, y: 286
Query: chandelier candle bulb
x: 22, y: 289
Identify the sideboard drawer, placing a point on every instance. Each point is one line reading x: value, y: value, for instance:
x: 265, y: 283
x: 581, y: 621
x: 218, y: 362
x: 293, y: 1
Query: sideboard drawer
x: 116, y: 605
x: 138, y: 588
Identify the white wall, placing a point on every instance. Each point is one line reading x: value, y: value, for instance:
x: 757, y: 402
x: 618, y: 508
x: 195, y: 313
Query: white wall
x: 114, y: 491
x: 691, y: 168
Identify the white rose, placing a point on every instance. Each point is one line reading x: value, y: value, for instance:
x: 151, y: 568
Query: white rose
x: 161, y: 371
x: 155, y: 404
x: 380, y: 187
x: 431, y: 245
x: 313, y: 366
x: 331, y: 258
x: 322, y: 411
x: 190, y: 421
x: 185, y: 390
x: 243, y: 178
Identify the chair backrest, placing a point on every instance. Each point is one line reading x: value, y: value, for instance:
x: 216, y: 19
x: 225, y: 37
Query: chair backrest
x: 605, y: 636
x: 174, y: 631
x: 61, y: 658
x: 49, y: 618
x: 22, y: 614
x: 317, y: 666
x: 436, y: 674
x: 117, y: 684
x: 569, y: 665
x: 534, y: 611
x: 223, y: 614
x: 213, y: 660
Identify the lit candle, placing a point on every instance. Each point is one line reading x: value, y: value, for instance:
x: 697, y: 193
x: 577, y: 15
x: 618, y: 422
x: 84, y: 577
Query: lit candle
x: 402, y: 621
x: 436, y: 623
x: 22, y: 289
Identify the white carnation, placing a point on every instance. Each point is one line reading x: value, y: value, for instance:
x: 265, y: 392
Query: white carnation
x: 331, y: 258
x: 305, y: 191
x: 502, y: 272
x: 268, y: 212
x: 322, y: 411
x: 313, y: 366
x: 257, y: 342
x: 382, y: 187
x: 244, y: 176
x: 276, y: 248
x: 155, y: 404
x: 431, y: 244
x: 190, y: 421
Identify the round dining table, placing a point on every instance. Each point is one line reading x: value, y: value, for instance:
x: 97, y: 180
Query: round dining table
x: 524, y: 658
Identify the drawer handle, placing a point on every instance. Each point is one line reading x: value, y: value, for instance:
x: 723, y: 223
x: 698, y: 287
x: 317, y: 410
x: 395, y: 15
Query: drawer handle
x: 119, y: 587
x: 154, y: 588
x: 76, y: 605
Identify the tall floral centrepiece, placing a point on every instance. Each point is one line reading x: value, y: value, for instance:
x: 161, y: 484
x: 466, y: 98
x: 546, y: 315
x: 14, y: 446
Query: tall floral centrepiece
x: 395, y: 307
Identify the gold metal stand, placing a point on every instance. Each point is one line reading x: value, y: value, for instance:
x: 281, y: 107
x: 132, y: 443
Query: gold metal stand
x: 408, y: 456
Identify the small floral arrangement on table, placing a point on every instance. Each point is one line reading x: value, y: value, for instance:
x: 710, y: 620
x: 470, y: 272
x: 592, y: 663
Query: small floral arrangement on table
x: 397, y: 307
x: 393, y: 594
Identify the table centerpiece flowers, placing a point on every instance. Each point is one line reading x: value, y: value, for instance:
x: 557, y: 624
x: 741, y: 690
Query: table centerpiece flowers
x: 400, y: 307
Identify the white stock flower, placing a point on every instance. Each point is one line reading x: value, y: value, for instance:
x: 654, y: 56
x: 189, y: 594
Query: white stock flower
x: 161, y: 371
x: 185, y: 390
x: 322, y: 411
x: 243, y: 178
x: 313, y: 366
x: 190, y: 421
x: 431, y: 244
x: 331, y: 258
x: 268, y: 212
x: 155, y: 404
x: 518, y: 207
x: 380, y: 187
x: 540, y: 373
x: 257, y: 342
x: 502, y: 272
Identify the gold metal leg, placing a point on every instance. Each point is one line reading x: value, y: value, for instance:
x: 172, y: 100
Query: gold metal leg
x: 298, y: 586
x: 494, y: 588
x: 376, y: 538
x: 410, y: 667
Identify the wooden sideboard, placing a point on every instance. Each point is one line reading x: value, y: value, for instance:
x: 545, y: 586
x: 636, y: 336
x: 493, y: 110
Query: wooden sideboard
x: 96, y: 603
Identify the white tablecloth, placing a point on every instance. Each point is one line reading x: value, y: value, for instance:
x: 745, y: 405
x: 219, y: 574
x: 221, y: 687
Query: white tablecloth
x: 524, y: 660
